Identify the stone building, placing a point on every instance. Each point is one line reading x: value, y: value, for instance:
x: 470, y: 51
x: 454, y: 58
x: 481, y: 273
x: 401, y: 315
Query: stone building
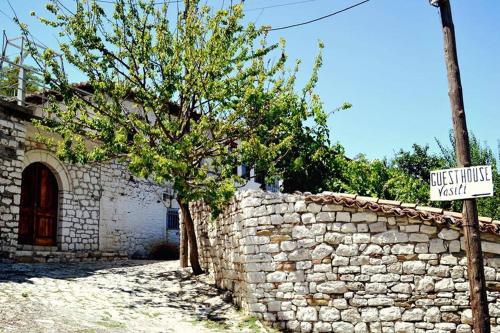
x: 346, y: 264
x: 57, y: 211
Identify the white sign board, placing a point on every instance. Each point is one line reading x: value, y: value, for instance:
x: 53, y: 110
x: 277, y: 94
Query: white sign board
x: 461, y: 183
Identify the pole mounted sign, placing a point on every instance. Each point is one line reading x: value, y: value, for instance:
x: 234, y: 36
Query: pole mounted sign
x: 461, y: 183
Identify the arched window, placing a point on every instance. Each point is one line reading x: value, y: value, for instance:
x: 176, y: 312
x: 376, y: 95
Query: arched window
x: 39, y: 206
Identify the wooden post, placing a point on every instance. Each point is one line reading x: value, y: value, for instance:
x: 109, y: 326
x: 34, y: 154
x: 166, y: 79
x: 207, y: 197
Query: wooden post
x: 475, y: 271
x: 21, y: 80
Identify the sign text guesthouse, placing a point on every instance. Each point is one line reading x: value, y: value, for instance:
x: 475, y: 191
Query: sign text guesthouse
x: 461, y: 183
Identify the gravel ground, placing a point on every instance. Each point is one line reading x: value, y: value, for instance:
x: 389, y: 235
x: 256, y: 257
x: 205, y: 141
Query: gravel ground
x: 126, y: 296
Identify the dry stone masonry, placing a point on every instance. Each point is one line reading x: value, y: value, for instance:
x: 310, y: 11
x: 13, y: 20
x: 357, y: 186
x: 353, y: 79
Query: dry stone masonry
x: 340, y: 263
x: 12, y: 134
x: 103, y: 211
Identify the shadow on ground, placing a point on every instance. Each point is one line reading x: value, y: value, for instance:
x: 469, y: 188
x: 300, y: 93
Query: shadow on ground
x: 136, y: 283
x: 23, y: 273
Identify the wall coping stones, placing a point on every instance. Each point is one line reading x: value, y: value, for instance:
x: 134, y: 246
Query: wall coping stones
x: 347, y: 263
x: 432, y: 214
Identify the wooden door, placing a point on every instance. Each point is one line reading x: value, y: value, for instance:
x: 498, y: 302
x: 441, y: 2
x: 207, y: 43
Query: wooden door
x: 39, y: 202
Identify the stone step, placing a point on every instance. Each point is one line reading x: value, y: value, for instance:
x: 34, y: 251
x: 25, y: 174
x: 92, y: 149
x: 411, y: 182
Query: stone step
x: 25, y: 247
x: 37, y: 256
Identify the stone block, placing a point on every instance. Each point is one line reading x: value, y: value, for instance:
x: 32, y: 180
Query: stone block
x: 428, y: 229
x: 403, y: 288
x: 299, y: 255
x: 308, y: 218
x: 342, y: 327
x: 321, y: 251
x: 343, y: 217
x: 414, y: 267
x: 347, y: 250
x: 348, y: 228
x: 361, y: 328
x: 436, y: 246
x: 350, y: 315
x: 376, y: 288
x: 403, y: 249
x: 390, y: 314
x: 404, y: 327
x: 288, y: 245
x: 300, y: 206
x: 334, y: 237
x: 364, y: 217
x: 415, y: 314
x: 332, y: 287
x: 301, y: 231
x: 313, y: 207
x: 373, y: 269
x: 291, y: 218
x: 329, y: 314
x: 307, y: 314
x: 419, y: 238
x: 390, y: 237
x: 449, y: 234
x: 361, y: 238
x: 332, y: 208
x: 369, y: 315
x: 322, y: 327
x: 325, y: 217
x: 433, y: 315
x: 372, y: 249
x: 378, y: 227
x: 426, y: 284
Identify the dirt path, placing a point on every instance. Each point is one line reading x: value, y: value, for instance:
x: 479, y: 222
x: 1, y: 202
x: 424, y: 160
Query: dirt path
x: 131, y: 296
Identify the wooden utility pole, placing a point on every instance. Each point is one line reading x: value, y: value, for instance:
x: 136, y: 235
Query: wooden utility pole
x: 475, y: 271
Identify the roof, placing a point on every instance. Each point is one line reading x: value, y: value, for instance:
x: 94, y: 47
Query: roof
x: 16, y: 110
x: 39, y: 98
x: 398, y: 208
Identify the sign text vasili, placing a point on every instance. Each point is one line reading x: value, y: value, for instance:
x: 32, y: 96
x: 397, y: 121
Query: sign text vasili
x: 461, y: 183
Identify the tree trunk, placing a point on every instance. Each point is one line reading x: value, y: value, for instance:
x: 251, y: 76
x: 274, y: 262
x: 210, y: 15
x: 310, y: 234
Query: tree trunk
x: 183, y: 246
x: 187, y: 221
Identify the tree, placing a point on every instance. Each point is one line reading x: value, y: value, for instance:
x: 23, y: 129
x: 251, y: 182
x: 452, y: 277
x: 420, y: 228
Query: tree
x: 481, y: 154
x: 364, y: 177
x: 406, y: 176
x: 417, y: 163
x: 312, y: 164
x: 207, y: 96
x: 9, y: 76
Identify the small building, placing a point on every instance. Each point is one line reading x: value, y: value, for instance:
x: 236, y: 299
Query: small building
x: 50, y: 210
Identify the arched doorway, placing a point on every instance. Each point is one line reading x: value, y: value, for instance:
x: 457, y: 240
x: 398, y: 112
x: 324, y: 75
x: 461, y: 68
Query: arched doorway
x: 39, y: 203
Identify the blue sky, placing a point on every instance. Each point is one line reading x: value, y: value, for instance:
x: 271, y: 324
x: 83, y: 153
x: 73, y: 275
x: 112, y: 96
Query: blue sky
x: 386, y: 58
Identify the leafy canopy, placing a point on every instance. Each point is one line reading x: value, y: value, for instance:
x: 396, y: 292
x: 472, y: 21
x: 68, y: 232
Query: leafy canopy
x: 183, y: 96
x: 9, y: 77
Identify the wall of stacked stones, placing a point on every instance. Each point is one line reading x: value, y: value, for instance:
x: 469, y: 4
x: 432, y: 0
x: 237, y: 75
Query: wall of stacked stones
x: 78, y: 220
x: 331, y: 268
x: 101, y: 206
x: 12, y: 134
x: 133, y: 212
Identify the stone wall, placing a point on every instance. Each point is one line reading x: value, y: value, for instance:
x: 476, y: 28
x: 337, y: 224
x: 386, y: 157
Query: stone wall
x: 336, y: 263
x: 133, y: 212
x: 102, y: 208
x: 12, y: 134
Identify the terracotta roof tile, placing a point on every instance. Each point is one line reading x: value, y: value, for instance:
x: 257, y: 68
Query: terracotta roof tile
x: 430, y: 209
x: 389, y: 202
x: 370, y: 199
x: 431, y: 214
